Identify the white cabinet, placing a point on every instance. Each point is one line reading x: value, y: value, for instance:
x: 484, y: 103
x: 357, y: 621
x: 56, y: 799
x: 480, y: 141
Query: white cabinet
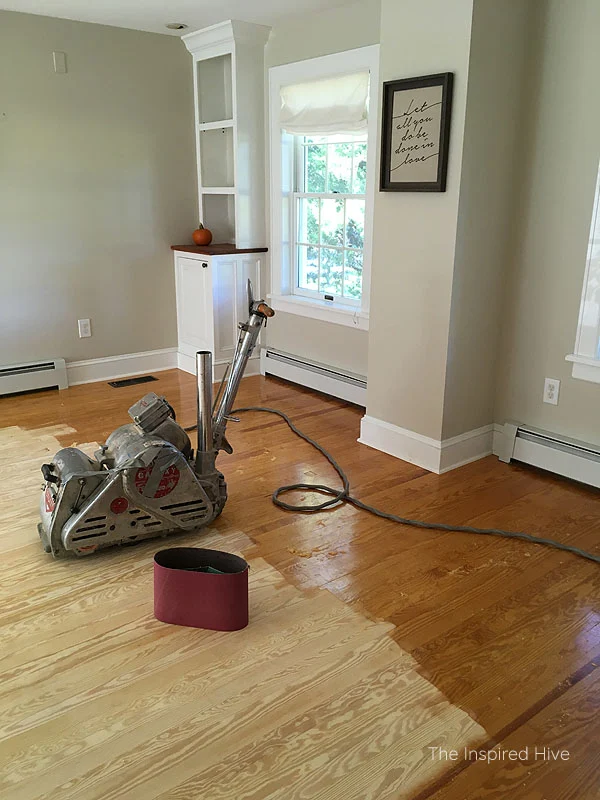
x: 212, y: 299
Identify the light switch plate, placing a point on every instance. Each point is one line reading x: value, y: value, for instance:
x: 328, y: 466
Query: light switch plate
x: 60, y: 62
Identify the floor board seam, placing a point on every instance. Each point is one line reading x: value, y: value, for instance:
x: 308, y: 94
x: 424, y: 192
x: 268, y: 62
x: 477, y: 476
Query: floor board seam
x: 559, y: 690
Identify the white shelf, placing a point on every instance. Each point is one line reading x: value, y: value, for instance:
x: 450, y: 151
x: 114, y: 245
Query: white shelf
x: 211, y: 126
x: 217, y: 189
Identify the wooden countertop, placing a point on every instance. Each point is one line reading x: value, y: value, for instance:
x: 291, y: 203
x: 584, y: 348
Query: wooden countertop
x: 217, y: 249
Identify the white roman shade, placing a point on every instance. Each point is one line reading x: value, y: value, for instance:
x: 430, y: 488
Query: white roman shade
x: 330, y: 105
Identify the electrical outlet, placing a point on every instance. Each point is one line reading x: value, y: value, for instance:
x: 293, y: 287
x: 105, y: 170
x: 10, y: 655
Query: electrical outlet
x: 551, y: 390
x: 85, y: 328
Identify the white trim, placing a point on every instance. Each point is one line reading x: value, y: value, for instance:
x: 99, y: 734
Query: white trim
x: 187, y: 363
x: 123, y: 366
x: 315, y: 378
x: 584, y: 368
x: 437, y: 456
x: 321, y: 309
x: 467, y: 447
x: 335, y: 64
x: 586, y: 338
x: 498, y: 440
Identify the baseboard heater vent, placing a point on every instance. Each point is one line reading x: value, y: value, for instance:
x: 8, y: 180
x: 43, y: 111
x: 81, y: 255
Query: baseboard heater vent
x: 33, y: 375
x: 559, y: 454
x: 338, y: 383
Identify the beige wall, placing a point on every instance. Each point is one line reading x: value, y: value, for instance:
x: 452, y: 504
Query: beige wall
x: 495, y: 136
x: 311, y: 36
x: 542, y: 301
x: 415, y: 232
x: 96, y: 181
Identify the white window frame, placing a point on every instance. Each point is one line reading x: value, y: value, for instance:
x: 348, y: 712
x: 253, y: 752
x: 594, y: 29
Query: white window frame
x: 283, y: 166
x: 586, y: 366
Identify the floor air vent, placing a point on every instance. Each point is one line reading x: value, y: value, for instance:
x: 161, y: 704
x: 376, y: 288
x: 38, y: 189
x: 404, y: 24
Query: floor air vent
x: 132, y: 381
x: 27, y: 377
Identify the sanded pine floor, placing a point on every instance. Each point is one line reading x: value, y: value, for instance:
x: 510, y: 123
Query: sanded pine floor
x: 508, y: 632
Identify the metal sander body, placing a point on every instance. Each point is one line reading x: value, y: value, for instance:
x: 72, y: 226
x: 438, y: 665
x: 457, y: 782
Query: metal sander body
x: 146, y: 481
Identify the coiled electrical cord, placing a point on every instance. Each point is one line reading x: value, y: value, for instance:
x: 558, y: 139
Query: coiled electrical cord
x: 343, y: 496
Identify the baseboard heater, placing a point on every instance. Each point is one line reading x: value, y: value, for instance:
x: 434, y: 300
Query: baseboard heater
x: 33, y: 375
x: 338, y: 383
x: 559, y: 454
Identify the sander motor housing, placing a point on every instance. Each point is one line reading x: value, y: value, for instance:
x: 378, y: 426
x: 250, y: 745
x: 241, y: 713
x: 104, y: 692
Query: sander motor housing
x: 140, y: 484
x: 146, y: 481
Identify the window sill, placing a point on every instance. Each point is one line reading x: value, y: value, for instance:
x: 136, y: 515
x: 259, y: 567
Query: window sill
x: 585, y: 369
x: 321, y: 310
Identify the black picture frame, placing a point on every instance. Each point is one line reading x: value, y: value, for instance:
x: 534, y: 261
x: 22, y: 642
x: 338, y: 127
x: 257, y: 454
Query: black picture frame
x: 430, y: 130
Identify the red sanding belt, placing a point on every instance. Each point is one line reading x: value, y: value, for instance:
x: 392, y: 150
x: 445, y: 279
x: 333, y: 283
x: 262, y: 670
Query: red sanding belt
x: 186, y: 595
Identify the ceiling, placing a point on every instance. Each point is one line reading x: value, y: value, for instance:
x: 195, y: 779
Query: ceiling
x: 153, y: 15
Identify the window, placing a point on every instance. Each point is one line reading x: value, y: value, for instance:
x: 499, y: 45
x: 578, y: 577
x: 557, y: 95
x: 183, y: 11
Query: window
x: 586, y: 359
x: 330, y: 216
x: 323, y: 126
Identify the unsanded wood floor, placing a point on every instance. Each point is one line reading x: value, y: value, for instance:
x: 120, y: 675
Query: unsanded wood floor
x: 508, y: 632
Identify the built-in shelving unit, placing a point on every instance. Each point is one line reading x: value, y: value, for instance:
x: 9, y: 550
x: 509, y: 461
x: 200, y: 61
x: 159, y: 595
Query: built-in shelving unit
x: 228, y: 64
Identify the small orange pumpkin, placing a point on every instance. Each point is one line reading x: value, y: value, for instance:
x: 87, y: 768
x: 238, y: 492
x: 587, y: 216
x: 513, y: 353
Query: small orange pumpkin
x: 202, y: 236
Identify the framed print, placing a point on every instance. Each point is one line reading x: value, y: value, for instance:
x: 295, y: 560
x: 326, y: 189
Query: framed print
x: 415, y: 134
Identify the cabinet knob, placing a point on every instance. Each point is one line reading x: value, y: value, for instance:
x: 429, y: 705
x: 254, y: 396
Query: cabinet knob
x: 204, y: 265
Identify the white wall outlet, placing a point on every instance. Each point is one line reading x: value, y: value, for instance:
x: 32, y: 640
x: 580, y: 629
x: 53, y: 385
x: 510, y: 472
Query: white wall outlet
x: 551, y: 390
x: 85, y: 328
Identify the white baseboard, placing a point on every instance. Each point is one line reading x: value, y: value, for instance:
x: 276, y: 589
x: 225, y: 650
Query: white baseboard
x: 125, y: 366
x: 433, y: 454
x: 399, y: 442
x: 498, y: 439
x: 466, y: 447
x: 187, y: 363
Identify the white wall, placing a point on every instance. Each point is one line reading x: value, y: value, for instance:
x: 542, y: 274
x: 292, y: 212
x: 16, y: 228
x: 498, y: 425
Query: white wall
x: 297, y: 39
x: 96, y: 182
x: 554, y: 214
x: 415, y: 233
x: 494, y: 143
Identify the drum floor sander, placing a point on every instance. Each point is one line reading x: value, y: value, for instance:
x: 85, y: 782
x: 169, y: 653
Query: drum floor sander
x: 147, y: 481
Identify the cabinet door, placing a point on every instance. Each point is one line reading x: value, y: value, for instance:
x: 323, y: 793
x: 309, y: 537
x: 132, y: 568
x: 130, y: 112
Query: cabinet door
x: 230, y: 298
x: 224, y: 302
x: 195, y: 326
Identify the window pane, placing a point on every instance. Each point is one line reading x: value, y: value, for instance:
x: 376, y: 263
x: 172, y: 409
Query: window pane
x: 332, y: 268
x: 355, y: 223
x: 308, y: 268
x: 332, y: 222
x: 359, y: 176
x: 353, y: 274
x: 340, y: 168
x: 308, y: 220
x: 315, y: 167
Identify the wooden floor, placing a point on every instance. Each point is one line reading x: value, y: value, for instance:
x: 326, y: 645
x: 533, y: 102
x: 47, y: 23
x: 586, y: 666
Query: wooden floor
x: 508, y: 632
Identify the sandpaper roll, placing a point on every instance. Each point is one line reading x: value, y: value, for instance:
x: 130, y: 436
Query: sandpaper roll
x: 201, y: 588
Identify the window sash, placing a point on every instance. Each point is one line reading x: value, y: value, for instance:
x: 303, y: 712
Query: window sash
x: 301, y: 173
x: 297, y: 243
